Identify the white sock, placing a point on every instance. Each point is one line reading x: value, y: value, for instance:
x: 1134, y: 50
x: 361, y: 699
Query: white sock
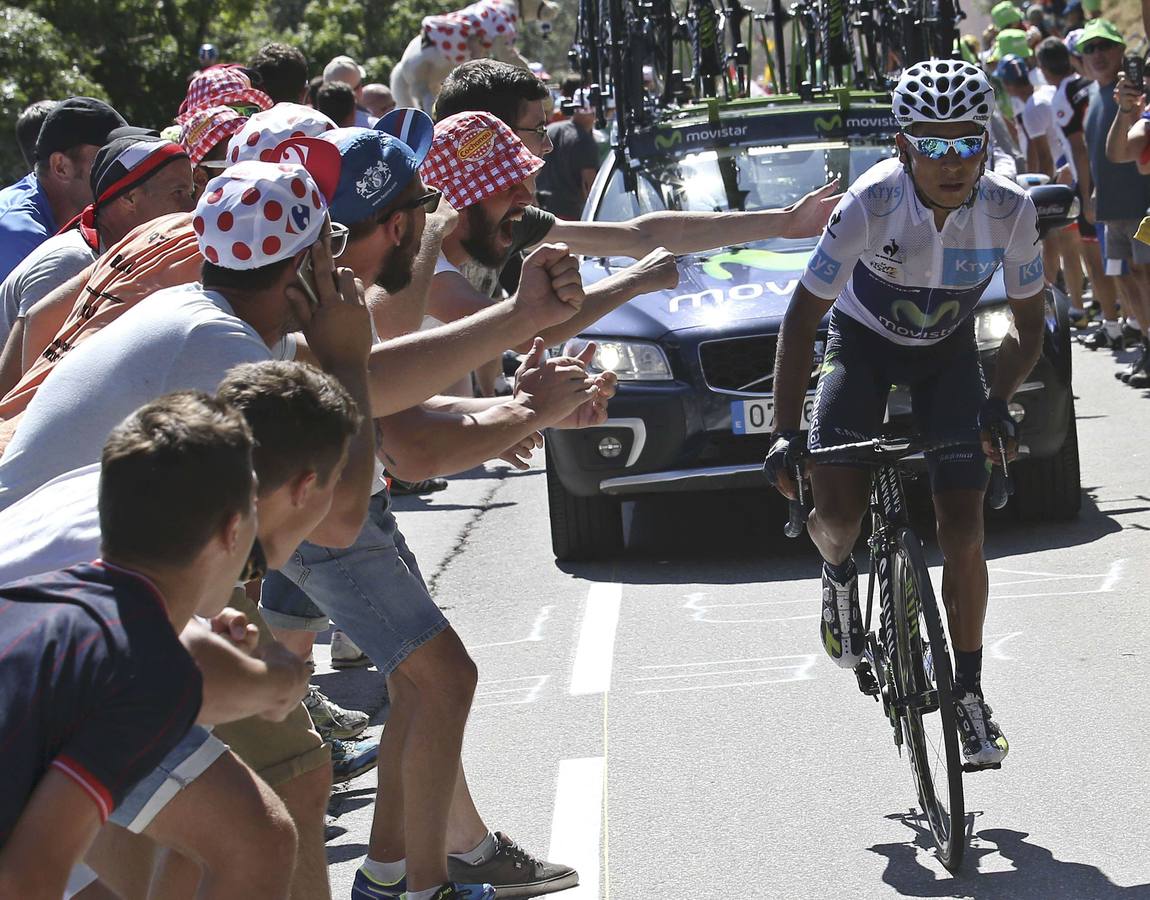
x: 482, y: 852
x: 1113, y: 327
x: 385, y: 872
x: 421, y: 895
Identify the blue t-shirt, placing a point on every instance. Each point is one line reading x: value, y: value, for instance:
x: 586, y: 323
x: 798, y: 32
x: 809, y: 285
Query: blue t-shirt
x: 26, y: 221
x: 1121, y: 192
x: 94, y: 682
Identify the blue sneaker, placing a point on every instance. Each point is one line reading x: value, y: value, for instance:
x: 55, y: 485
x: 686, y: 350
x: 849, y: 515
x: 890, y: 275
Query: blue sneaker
x: 453, y: 890
x: 365, y: 887
x: 350, y: 759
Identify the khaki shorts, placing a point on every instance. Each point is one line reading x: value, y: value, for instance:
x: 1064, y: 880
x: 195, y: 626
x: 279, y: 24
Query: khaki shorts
x: 277, y: 751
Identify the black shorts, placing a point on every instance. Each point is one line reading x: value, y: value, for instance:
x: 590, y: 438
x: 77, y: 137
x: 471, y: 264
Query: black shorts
x: 947, y: 391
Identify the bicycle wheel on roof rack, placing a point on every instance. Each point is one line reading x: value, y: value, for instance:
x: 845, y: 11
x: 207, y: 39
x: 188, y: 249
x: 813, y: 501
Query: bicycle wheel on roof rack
x: 834, y: 38
x: 706, y: 47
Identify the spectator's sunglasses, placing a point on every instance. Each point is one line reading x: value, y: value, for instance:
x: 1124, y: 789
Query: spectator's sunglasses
x: 1093, y: 47
x: 429, y: 201
x: 937, y: 148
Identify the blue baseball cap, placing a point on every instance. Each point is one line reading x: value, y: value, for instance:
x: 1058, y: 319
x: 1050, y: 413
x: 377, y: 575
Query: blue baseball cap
x: 362, y: 170
x: 1012, y: 70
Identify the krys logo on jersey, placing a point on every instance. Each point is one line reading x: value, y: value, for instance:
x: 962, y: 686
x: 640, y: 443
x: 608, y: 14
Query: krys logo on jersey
x: 969, y: 267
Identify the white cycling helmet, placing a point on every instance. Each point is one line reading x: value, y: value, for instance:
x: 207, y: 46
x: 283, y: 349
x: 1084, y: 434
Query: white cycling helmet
x: 942, y: 90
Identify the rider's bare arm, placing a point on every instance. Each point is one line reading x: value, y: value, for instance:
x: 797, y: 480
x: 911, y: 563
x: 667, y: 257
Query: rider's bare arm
x: 691, y: 232
x: 795, y: 356
x: 1021, y: 347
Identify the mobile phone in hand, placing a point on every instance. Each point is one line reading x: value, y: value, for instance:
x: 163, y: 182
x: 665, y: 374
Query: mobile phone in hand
x: 305, y: 273
x: 1134, y: 67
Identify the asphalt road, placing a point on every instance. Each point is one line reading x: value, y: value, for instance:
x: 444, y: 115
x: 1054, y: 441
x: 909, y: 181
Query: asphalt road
x: 668, y: 723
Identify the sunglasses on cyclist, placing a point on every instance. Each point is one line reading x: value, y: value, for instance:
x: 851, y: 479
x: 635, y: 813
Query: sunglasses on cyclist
x: 937, y: 148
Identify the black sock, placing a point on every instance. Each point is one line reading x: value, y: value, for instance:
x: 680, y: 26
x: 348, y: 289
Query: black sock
x: 968, y: 671
x: 843, y: 572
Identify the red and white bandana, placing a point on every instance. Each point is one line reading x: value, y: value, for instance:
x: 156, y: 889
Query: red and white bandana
x: 475, y: 155
x: 221, y: 86
x: 486, y: 20
x: 258, y: 213
x: 205, y: 128
x: 266, y: 130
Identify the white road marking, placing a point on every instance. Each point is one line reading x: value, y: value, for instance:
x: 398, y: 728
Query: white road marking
x: 993, y: 644
x: 529, y: 686
x: 595, y: 653
x: 577, y: 822
x: 716, y: 613
x: 798, y: 666
x: 536, y: 633
x: 1109, y: 580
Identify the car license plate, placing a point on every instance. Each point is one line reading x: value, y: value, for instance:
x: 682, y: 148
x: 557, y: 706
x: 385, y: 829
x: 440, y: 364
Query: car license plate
x: 758, y: 416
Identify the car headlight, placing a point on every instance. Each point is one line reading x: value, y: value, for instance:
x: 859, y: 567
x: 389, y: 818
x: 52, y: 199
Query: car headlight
x: 632, y: 361
x: 991, y: 326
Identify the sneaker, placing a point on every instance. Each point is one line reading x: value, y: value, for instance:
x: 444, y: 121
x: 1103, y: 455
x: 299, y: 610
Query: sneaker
x: 345, y: 654
x: 427, y: 486
x: 983, y: 744
x: 1079, y: 318
x: 1138, y: 365
x: 1130, y: 334
x: 330, y: 719
x: 1139, y: 379
x: 514, y: 872
x: 1101, y: 340
x: 456, y: 891
x: 841, y: 615
x: 350, y: 759
x: 367, y: 888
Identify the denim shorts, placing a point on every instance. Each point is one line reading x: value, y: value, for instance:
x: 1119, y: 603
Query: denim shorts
x: 187, y: 761
x: 373, y: 591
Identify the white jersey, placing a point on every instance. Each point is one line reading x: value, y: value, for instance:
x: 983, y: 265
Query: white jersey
x: 884, y: 263
x: 1038, y: 120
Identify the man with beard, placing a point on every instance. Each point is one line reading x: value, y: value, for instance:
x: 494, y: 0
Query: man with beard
x: 374, y: 591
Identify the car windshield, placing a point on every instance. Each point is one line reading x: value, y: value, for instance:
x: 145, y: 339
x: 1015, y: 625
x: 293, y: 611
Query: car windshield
x: 742, y: 178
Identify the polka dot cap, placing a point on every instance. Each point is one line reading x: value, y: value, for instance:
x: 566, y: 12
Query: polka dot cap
x: 475, y: 155
x: 258, y: 213
x: 265, y: 131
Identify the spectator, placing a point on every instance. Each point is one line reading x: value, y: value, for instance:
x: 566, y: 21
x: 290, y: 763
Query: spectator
x: 313, y: 87
x: 28, y: 125
x: 264, y: 131
x: 378, y: 100
x: 1092, y: 9
x: 351, y: 73
x: 1005, y: 14
x: 32, y: 209
x: 205, y: 135
x: 283, y: 72
x: 1069, y: 104
x: 336, y: 100
x: 565, y: 181
x: 1121, y: 195
x: 177, y: 519
x: 1073, y: 16
x: 223, y: 86
x: 134, y: 178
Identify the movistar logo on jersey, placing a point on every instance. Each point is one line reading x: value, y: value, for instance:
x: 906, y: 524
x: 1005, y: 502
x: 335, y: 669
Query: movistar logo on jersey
x: 966, y: 267
x: 823, y: 267
x: 907, y: 311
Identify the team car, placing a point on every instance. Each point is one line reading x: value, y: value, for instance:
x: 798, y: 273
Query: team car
x: 694, y: 408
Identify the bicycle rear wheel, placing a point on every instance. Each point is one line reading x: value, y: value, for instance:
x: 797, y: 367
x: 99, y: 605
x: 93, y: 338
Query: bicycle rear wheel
x: 926, y: 689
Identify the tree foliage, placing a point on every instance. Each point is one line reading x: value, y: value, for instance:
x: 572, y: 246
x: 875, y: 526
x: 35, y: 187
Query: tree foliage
x: 138, y: 54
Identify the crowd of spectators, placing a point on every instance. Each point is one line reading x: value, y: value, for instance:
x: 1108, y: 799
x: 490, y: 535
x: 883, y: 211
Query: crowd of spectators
x: 225, y: 338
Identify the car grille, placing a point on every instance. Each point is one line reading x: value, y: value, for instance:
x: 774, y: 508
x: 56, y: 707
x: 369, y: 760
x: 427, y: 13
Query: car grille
x: 745, y: 365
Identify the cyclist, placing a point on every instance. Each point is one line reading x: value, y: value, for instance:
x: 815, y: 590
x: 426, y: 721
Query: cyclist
x: 905, y: 257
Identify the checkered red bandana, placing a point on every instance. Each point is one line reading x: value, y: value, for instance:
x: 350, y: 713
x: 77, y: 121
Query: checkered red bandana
x: 475, y: 155
x: 258, y: 213
x: 221, y: 86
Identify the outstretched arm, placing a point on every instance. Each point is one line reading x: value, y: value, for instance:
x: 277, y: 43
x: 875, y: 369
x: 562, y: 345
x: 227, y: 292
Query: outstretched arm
x: 692, y: 232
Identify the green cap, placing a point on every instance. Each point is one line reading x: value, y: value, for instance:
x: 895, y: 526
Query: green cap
x: 1011, y: 42
x: 1005, y: 14
x: 1092, y: 6
x: 1100, y: 30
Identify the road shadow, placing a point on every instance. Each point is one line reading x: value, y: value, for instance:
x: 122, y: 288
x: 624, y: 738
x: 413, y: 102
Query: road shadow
x: 1035, y: 874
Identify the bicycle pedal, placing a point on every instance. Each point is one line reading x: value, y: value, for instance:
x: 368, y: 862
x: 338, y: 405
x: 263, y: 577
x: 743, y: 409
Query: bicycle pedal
x: 868, y: 684
x: 971, y: 767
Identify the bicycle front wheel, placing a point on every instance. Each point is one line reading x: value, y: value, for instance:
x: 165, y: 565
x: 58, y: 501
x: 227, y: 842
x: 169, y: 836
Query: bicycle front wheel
x: 926, y: 698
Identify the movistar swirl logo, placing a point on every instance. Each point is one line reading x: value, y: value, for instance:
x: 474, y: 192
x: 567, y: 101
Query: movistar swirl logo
x: 765, y: 260
x: 827, y: 125
x: 907, y: 311
x: 667, y: 140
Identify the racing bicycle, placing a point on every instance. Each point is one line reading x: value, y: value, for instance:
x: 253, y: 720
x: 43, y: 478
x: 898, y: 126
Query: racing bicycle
x: 906, y: 663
